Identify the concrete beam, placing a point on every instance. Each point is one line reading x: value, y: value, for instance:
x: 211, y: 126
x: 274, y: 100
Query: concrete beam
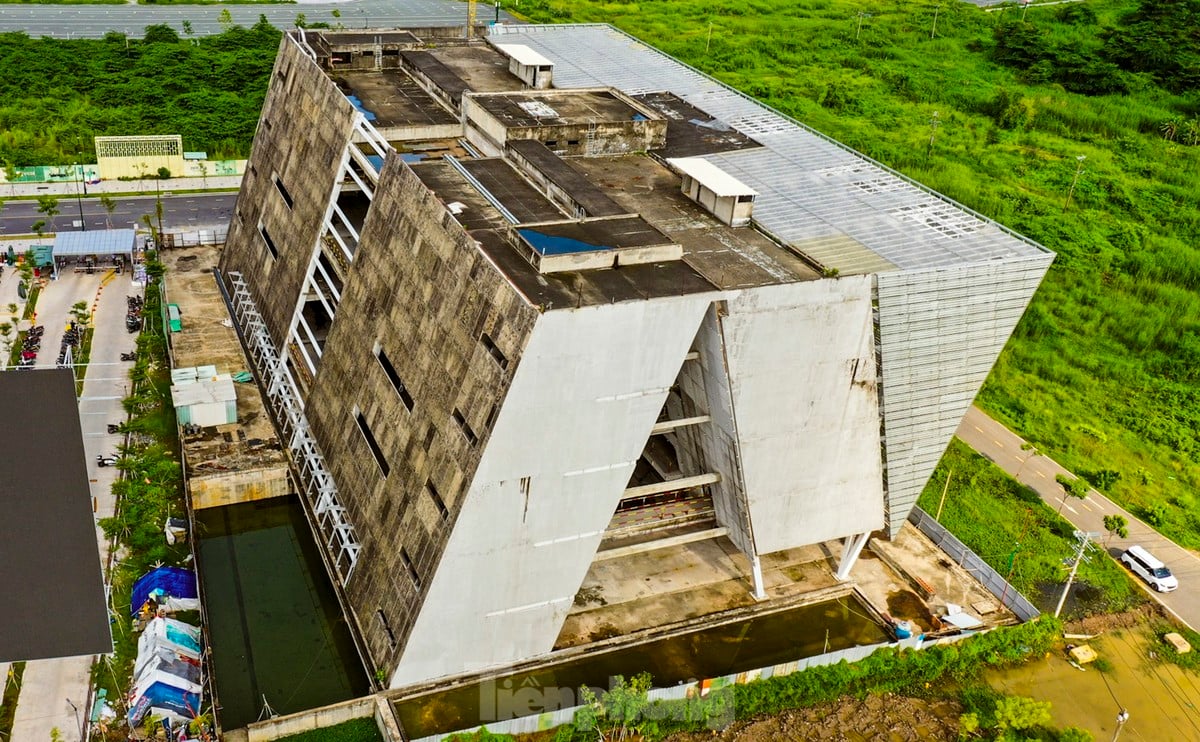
x: 685, y: 538
x: 673, y: 485
x: 667, y: 426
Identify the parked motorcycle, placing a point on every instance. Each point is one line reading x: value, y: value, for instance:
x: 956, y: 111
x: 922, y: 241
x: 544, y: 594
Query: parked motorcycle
x: 102, y: 460
x: 114, y: 428
x: 129, y: 356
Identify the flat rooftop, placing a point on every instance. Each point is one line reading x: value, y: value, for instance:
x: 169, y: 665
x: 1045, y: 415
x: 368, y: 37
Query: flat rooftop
x: 841, y: 208
x: 558, y: 107
x: 393, y: 98
x: 820, y: 206
x: 205, y: 340
x: 50, y: 574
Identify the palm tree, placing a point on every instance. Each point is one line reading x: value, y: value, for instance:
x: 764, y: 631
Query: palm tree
x: 110, y: 205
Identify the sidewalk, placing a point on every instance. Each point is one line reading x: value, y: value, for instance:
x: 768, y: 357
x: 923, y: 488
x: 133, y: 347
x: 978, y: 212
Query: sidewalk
x: 1014, y: 455
x: 148, y: 185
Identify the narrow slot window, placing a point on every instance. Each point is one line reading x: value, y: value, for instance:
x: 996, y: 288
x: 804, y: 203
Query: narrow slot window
x: 283, y: 191
x: 490, y: 345
x: 412, y: 568
x: 372, y: 444
x: 262, y: 230
x: 437, y: 500
x: 466, y: 429
x: 387, y: 627
x: 397, y: 383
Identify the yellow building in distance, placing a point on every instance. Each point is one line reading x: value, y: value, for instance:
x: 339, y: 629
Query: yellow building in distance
x: 139, y: 156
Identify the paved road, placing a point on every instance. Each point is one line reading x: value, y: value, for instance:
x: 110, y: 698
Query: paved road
x: 179, y: 212
x: 1005, y: 448
x: 93, y: 21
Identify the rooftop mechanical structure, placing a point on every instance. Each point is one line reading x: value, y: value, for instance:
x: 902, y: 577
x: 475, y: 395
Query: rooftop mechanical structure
x: 515, y: 300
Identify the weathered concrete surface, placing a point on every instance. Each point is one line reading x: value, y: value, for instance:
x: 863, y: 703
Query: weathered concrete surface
x: 225, y: 464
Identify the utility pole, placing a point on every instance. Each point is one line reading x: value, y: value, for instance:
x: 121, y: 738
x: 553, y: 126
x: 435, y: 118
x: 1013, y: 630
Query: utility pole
x: 78, y: 199
x: 858, y: 31
x: 1122, y: 717
x: 933, y: 125
x: 1078, y: 171
x: 942, y: 501
x: 1085, y: 540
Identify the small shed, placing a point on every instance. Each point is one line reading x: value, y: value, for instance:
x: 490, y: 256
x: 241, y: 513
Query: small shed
x: 723, y: 195
x: 207, y: 400
x: 531, y: 67
x: 102, y: 244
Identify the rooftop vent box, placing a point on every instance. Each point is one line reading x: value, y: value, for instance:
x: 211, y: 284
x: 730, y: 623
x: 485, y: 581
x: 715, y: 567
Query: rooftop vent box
x: 724, y: 196
x: 532, y: 68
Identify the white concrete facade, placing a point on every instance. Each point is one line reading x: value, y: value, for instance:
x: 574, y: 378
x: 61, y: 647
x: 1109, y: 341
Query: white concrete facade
x: 582, y: 403
x: 803, y: 379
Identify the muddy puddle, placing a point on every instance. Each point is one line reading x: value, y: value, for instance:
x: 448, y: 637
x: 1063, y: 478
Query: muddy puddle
x: 1163, y: 701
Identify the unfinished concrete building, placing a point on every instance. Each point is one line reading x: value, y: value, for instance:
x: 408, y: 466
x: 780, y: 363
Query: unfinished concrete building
x: 516, y: 299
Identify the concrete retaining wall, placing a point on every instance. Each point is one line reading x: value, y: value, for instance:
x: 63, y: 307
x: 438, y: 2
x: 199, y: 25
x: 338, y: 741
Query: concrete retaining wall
x: 305, y: 721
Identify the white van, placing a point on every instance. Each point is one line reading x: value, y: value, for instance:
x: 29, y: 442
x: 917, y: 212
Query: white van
x: 1149, y: 569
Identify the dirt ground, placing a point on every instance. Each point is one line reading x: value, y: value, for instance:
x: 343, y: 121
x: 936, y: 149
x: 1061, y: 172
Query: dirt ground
x: 887, y: 718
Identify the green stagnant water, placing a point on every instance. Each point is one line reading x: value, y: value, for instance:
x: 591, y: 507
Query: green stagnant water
x: 273, y: 618
x: 762, y: 641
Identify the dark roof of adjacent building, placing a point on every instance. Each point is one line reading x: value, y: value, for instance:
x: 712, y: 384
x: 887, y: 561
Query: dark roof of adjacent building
x: 50, y: 574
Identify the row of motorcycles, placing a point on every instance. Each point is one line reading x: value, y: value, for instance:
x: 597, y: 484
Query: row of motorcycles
x: 70, y: 342
x: 31, y: 346
x: 133, y: 317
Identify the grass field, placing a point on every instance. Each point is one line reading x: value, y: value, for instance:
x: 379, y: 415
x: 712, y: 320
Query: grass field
x: 1104, y: 371
x: 1009, y: 526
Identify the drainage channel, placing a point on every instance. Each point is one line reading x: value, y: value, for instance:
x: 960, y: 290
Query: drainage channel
x: 279, y: 642
x: 760, y: 641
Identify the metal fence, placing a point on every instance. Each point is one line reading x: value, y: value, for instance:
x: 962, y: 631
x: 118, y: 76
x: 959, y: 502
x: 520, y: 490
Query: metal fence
x: 194, y: 237
x: 970, y: 561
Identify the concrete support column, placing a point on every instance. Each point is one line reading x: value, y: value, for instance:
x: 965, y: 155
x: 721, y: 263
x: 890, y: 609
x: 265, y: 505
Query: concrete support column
x: 756, y: 569
x: 850, y: 551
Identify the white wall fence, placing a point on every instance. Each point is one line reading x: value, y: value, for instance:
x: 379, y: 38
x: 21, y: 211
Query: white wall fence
x: 970, y: 561
x: 193, y: 237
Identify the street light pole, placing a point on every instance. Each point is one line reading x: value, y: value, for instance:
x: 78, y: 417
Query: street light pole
x: 78, y: 199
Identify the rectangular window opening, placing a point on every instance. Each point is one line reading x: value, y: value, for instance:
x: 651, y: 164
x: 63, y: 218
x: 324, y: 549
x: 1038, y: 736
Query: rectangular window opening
x: 390, y: 371
x: 387, y: 627
x: 495, y: 352
x: 372, y: 444
x: 466, y: 429
x: 262, y: 230
x: 283, y: 191
x: 412, y: 568
x: 437, y: 500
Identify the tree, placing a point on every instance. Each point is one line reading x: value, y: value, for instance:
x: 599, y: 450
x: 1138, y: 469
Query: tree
x: 38, y: 227
x: 1018, y: 712
x: 301, y: 20
x: 164, y: 173
x: 225, y: 18
x: 160, y: 33
x: 11, y: 175
x: 1072, y: 487
x: 48, y: 205
x: 110, y: 205
x: 81, y: 314
x: 187, y: 28
x: 202, y: 166
x: 1116, y: 524
x: 6, y: 338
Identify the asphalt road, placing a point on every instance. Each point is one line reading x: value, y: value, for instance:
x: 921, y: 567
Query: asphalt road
x: 180, y: 212
x: 93, y: 21
x: 1038, y: 472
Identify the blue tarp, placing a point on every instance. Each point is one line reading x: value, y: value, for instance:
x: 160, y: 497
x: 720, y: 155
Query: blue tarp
x: 163, y: 696
x: 173, y: 581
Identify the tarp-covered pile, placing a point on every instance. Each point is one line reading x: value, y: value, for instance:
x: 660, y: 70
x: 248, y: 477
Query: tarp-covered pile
x: 167, y: 677
x: 169, y: 588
